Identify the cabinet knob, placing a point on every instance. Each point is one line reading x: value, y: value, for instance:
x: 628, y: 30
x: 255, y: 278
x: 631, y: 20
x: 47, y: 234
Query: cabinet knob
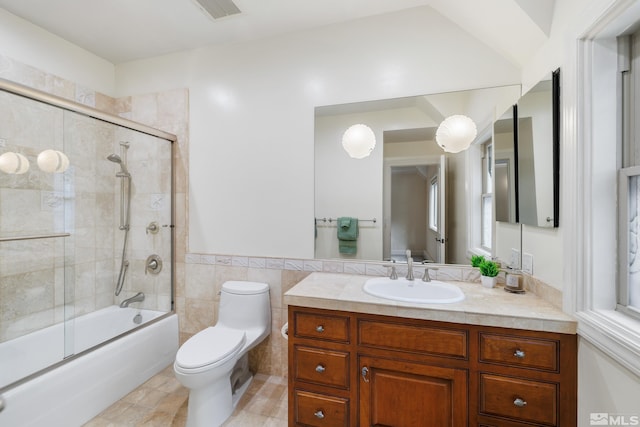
x: 320, y: 369
x: 520, y: 403
x: 319, y: 414
x: 519, y: 354
x: 319, y: 328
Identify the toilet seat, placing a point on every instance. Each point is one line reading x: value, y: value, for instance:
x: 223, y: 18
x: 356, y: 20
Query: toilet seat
x: 209, y: 347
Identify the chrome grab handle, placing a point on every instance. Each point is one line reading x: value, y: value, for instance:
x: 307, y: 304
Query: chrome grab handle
x: 320, y: 369
x: 520, y: 403
x: 519, y: 354
x: 365, y: 371
x: 319, y: 414
x: 319, y: 328
x: 2, y: 403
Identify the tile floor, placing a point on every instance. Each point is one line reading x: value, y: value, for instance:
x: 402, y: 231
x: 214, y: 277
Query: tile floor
x: 162, y: 402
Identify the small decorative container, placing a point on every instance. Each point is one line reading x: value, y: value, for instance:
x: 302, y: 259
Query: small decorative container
x: 488, y: 282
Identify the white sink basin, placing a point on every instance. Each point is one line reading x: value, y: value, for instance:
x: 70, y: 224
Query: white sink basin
x: 433, y: 292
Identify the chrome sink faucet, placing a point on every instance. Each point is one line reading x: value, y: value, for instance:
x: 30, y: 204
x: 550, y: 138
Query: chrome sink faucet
x: 409, y: 265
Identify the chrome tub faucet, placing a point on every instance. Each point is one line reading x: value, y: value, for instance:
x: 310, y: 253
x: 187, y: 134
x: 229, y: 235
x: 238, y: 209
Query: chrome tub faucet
x: 139, y: 297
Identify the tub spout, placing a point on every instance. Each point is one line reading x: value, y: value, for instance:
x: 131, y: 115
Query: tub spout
x: 139, y: 297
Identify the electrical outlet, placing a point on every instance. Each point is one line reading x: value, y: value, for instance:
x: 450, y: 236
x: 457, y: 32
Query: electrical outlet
x: 527, y: 263
x: 3, y: 142
x: 514, y: 261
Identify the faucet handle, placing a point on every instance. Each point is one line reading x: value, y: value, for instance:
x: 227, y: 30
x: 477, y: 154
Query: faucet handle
x: 394, y: 273
x: 425, y: 277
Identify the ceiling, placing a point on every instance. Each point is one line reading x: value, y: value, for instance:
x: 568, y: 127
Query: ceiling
x: 126, y: 30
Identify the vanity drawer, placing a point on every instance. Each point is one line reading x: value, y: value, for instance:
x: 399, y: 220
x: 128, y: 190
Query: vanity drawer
x: 420, y: 339
x: 320, y: 326
x: 319, y: 410
x: 519, y: 399
x: 326, y: 367
x: 526, y: 352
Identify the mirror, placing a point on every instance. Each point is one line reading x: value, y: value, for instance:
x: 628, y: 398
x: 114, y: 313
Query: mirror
x: 538, y: 154
x: 506, y: 167
x: 406, y: 166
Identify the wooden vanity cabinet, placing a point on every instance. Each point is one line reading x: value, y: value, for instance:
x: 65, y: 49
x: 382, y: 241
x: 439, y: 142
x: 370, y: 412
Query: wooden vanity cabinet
x: 351, y: 369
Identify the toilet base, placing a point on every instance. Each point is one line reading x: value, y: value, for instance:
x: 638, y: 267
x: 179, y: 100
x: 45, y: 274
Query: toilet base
x: 240, y: 391
x: 212, y: 405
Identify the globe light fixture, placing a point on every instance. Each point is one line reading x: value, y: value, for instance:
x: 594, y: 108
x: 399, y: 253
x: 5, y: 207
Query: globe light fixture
x: 53, y: 161
x: 13, y: 163
x: 359, y: 141
x: 456, y: 133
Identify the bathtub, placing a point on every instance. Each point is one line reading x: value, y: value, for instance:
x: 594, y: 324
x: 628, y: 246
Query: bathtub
x: 90, y: 381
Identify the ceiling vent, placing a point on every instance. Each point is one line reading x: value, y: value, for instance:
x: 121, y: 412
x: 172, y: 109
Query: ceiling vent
x: 217, y: 8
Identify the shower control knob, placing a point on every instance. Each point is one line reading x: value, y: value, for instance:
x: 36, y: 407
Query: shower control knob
x: 153, y: 265
x: 153, y: 228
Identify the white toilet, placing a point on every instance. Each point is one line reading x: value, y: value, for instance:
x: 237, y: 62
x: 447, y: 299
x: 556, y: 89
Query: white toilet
x: 213, y: 364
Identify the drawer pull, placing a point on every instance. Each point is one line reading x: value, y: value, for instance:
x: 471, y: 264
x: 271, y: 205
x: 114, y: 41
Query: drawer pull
x: 519, y: 354
x: 365, y: 372
x: 320, y: 369
x: 319, y: 328
x: 319, y: 414
x: 520, y: 403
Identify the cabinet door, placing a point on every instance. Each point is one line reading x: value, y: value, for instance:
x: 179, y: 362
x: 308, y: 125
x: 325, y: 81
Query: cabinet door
x: 408, y: 394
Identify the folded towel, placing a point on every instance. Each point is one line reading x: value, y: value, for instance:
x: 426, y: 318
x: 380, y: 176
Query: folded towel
x: 347, y: 235
x: 347, y: 228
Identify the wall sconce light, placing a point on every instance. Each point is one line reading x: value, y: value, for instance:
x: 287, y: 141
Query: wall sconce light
x: 13, y: 163
x: 456, y: 133
x: 53, y: 161
x: 358, y: 141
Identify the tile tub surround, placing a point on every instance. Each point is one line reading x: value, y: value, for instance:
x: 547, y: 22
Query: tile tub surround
x: 482, y: 306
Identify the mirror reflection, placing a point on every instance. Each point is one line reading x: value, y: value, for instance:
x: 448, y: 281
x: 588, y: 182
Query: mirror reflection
x: 506, y: 167
x: 407, y: 193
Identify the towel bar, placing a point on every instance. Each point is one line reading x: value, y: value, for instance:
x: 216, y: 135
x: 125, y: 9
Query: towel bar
x: 335, y: 219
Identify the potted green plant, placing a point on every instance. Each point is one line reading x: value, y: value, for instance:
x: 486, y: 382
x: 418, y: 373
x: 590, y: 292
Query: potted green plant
x: 489, y: 271
x: 476, y: 260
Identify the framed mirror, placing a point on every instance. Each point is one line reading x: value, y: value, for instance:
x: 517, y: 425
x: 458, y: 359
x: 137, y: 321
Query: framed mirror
x: 538, y: 149
x: 406, y: 165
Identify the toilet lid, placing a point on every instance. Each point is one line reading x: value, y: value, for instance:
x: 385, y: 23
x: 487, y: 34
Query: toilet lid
x: 240, y: 287
x: 209, y: 346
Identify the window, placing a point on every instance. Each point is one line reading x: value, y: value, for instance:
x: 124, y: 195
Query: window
x: 433, y: 204
x: 629, y: 176
x: 603, y: 151
x: 486, y: 207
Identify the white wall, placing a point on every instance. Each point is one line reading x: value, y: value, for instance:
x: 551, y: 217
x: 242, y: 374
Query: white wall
x: 603, y: 384
x: 29, y: 44
x: 252, y: 105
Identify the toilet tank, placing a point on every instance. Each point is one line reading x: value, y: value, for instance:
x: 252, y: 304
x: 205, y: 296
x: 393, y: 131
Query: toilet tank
x: 245, y: 305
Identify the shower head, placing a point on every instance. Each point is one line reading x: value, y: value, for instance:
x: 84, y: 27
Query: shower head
x: 117, y: 159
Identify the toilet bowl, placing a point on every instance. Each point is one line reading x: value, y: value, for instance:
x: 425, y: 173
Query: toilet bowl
x: 213, y: 364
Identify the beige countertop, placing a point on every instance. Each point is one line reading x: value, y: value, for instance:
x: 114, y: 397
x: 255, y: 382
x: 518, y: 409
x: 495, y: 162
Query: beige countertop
x: 481, y: 306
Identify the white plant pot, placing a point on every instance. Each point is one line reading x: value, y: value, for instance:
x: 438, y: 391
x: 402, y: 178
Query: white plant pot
x: 488, y: 282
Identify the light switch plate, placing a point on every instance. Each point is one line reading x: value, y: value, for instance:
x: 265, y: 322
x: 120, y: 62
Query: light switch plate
x: 527, y: 263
